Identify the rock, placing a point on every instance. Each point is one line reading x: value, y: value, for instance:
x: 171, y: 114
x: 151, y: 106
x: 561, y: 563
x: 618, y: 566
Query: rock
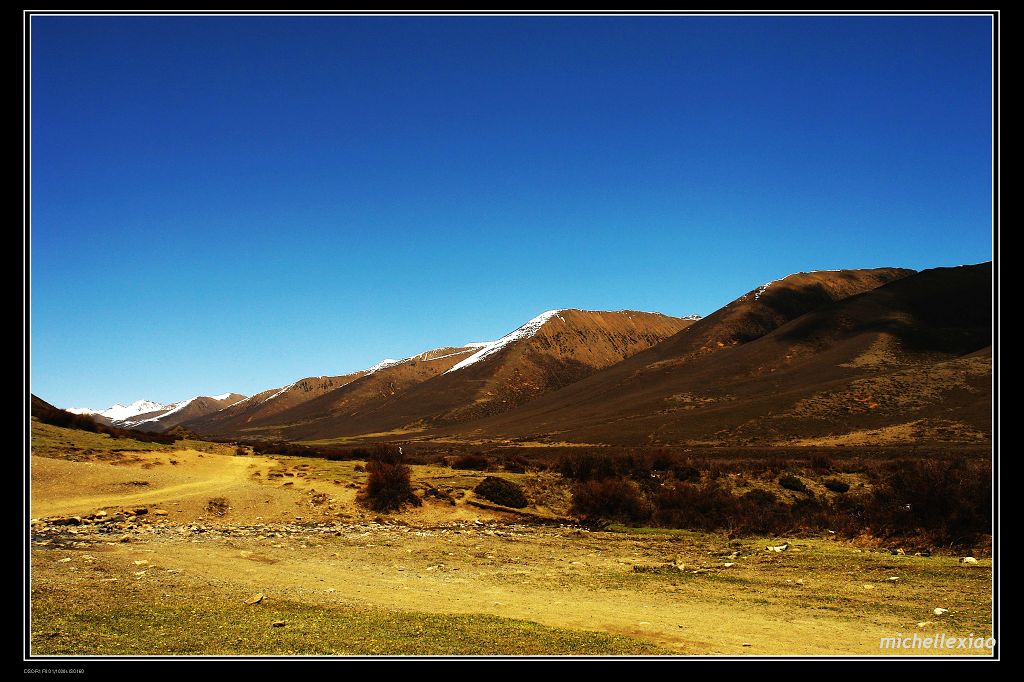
x: 924, y: 623
x: 968, y: 560
x: 728, y: 564
x: 278, y: 624
x: 747, y: 644
x: 255, y: 599
x: 899, y: 552
x: 66, y: 521
x: 125, y: 538
x: 139, y: 511
x: 778, y: 548
x: 940, y: 611
x: 160, y: 512
x: 892, y: 578
x: 64, y: 560
x: 101, y: 513
x: 869, y: 587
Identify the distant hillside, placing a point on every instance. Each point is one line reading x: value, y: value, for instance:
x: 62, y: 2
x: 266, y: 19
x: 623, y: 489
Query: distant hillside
x: 907, y: 361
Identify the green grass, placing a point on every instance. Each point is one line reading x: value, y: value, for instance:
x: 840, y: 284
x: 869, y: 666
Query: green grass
x: 76, y: 445
x: 102, y: 624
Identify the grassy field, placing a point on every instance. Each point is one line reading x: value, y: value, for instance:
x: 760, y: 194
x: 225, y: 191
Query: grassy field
x: 445, y: 578
x: 123, y: 622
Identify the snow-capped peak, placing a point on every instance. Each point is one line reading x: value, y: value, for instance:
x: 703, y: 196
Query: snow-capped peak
x: 121, y: 412
x: 80, y: 410
x: 222, y: 396
x: 386, y: 362
x: 524, y: 332
x: 171, y: 409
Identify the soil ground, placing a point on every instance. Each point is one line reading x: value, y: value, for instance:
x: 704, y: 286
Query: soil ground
x: 221, y: 531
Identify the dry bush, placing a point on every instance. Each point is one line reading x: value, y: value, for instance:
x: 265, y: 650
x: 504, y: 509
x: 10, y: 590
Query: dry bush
x: 471, y: 462
x: 610, y: 499
x: 501, y: 491
x: 388, y: 487
x: 218, y: 506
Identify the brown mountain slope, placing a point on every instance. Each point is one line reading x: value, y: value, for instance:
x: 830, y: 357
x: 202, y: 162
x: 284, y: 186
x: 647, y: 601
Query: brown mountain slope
x: 266, y: 404
x: 886, y: 358
x: 177, y: 413
x: 264, y: 414
x: 551, y: 351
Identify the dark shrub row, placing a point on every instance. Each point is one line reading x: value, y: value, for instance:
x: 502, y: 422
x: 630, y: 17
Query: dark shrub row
x: 946, y: 502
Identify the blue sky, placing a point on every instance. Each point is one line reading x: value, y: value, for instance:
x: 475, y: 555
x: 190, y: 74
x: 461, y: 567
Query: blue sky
x: 234, y: 203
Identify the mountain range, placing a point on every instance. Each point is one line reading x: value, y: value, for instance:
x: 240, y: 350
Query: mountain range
x: 843, y: 357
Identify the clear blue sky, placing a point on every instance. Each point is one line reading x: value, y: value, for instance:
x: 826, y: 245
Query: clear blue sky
x: 234, y: 203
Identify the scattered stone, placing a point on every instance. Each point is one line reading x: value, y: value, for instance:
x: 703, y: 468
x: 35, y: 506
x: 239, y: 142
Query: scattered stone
x: 66, y: 521
x: 778, y: 548
x: 924, y: 624
x: 968, y: 560
x: 893, y: 578
x: 729, y: 564
x: 141, y: 562
x: 160, y: 512
x: 278, y: 624
x: 940, y: 611
x: 64, y: 560
x: 747, y: 644
x: 256, y: 599
x: 899, y: 552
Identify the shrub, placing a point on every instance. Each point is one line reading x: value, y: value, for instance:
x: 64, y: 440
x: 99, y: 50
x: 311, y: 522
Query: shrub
x: 685, y: 505
x: 218, y: 506
x: 516, y: 464
x: 501, y: 491
x: 790, y: 482
x: 388, y: 486
x: 686, y: 472
x: 821, y: 463
x: 950, y: 501
x: 836, y: 486
x: 586, y: 466
x: 472, y: 462
x: 388, y: 454
x: 610, y: 499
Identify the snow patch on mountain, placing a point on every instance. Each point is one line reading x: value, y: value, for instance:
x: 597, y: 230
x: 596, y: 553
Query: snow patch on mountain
x: 526, y: 331
x: 171, y: 409
x: 122, y: 412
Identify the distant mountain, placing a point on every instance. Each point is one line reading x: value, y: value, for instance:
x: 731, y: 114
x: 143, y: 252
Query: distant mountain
x: 460, y: 384
x: 886, y: 355
x: 167, y: 416
x: 118, y: 412
x: 263, y: 407
x: 831, y: 358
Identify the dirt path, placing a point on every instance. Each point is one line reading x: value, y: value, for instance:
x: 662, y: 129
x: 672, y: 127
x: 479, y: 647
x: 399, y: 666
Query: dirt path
x: 211, y: 477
